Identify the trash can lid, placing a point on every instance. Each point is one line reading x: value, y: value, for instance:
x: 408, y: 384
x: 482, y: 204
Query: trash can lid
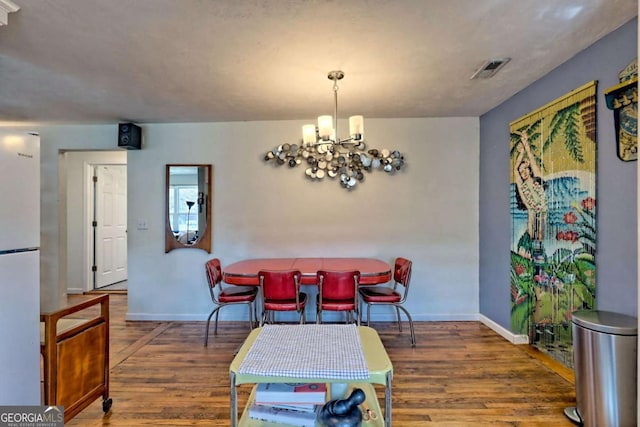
x: 606, y: 321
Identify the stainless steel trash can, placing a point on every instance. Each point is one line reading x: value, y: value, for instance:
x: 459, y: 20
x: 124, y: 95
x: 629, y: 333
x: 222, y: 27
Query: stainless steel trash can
x: 605, y: 366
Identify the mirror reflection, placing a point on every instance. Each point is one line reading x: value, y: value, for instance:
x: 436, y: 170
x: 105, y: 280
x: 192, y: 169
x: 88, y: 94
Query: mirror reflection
x: 188, y: 207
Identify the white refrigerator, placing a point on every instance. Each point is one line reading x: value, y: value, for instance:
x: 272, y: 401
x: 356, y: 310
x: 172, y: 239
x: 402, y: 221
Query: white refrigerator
x: 19, y: 267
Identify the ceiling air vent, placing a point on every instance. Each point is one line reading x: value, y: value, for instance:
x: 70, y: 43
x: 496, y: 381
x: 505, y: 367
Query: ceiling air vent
x: 490, y: 68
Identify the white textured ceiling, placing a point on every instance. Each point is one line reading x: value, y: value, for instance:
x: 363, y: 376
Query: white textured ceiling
x: 146, y: 61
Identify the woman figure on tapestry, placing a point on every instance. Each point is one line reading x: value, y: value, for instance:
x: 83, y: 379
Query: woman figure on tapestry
x: 531, y: 193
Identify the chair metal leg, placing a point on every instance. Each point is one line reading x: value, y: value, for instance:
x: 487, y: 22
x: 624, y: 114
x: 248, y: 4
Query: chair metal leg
x: 413, y: 336
x: 206, y: 334
x: 352, y: 317
x: 250, y: 318
x: 264, y: 318
x: 215, y: 328
x: 255, y: 313
x: 399, y: 319
x: 398, y: 308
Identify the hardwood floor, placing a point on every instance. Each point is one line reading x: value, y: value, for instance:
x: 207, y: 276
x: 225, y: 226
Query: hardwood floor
x: 460, y: 374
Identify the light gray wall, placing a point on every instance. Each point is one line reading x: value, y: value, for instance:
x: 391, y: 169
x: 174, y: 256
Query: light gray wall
x: 53, y: 214
x: 427, y: 213
x: 616, y: 181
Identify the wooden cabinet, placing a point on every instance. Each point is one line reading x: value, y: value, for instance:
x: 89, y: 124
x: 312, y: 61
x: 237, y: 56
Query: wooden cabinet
x: 74, y: 342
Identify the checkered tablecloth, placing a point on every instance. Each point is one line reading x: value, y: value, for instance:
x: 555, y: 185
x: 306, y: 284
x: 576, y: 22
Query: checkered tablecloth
x: 307, y: 351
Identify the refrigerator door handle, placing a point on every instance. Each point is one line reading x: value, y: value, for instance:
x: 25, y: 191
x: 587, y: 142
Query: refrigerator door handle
x: 17, y: 251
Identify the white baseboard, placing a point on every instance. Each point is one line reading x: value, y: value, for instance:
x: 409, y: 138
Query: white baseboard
x: 75, y: 291
x: 391, y: 317
x: 167, y: 317
x: 505, y: 333
x: 465, y: 317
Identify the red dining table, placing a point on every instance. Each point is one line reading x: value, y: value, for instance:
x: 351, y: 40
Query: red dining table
x: 372, y: 271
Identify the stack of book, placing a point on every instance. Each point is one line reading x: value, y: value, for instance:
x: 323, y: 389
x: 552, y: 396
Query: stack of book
x: 286, y: 403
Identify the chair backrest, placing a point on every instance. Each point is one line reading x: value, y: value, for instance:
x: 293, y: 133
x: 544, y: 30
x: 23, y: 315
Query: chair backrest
x: 338, y: 285
x: 402, y: 273
x: 214, y: 272
x: 279, y: 284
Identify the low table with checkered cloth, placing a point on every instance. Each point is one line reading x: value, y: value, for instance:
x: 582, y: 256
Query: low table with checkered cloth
x: 313, y: 353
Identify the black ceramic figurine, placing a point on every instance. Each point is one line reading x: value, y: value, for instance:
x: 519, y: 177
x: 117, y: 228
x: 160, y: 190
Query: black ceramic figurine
x: 343, y: 412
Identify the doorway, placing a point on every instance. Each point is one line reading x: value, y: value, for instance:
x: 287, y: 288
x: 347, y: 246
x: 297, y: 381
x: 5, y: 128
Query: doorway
x: 76, y: 206
x: 109, y: 226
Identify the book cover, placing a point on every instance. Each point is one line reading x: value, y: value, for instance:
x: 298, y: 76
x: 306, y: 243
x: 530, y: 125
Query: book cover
x: 307, y: 407
x: 314, y: 393
x: 283, y: 415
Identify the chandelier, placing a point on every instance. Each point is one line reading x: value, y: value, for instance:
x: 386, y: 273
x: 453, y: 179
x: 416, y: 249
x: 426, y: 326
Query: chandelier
x: 326, y: 155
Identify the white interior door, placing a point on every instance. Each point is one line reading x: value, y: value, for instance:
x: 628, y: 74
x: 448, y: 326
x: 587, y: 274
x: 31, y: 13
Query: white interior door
x: 111, y: 225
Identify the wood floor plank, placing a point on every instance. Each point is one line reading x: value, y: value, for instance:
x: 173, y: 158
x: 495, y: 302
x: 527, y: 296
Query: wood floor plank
x: 459, y: 374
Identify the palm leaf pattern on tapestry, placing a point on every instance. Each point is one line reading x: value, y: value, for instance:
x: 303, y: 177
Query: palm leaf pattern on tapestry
x: 533, y: 131
x: 567, y: 120
x: 564, y: 122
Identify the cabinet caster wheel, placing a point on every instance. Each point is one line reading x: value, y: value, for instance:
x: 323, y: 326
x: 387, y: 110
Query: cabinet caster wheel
x: 106, y: 405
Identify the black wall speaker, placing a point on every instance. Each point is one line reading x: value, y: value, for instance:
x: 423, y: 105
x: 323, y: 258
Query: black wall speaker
x: 129, y: 136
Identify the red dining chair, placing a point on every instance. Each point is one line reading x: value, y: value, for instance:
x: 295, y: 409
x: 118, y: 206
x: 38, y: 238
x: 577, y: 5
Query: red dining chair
x: 338, y: 291
x: 387, y: 295
x: 228, y: 295
x: 281, y: 292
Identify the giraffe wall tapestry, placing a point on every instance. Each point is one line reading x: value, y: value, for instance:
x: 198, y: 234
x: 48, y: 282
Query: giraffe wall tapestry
x: 553, y: 219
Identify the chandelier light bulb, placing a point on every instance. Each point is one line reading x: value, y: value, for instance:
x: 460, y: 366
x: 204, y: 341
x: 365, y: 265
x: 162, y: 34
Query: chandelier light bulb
x: 309, y: 134
x: 325, y: 127
x: 356, y: 127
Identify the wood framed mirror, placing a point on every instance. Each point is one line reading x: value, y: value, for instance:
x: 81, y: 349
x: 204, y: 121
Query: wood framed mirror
x: 188, y: 207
